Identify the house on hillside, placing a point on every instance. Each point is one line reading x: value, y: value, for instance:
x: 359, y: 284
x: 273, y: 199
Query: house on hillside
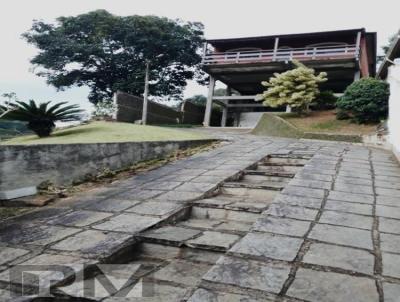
x: 243, y: 63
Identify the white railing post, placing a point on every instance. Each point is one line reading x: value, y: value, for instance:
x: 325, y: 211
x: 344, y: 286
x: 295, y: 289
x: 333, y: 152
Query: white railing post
x: 314, y: 53
x: 237, y: 57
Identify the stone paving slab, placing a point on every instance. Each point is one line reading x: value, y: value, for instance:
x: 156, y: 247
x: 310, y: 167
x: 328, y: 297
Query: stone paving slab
x: 202, y: 295
x: 348, y: 207
x: 390, y: 243
x: 391, y: 265
x: 183, y: 272
x: 268, y: 246
x: 34, y: 234
x: 171, y: 235
x: 340, y: 257
x: 284, y: 210
x: 347, y: 219
x: 342, y: 235
x: 318, y: 286
x: 248, y: 274
x: 109, y: 205
x: 92, y: 243
x: 211, y: 240
x: 391, y: 292
x: 350, y: 197
x: 283, y: 226
x: 79, y: 218
x: 388, y: 225
x: 155, y: 208
x: 127, y: 223
x: 8, y: 254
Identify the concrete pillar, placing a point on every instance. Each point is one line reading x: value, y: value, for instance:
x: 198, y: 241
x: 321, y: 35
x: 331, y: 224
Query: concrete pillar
x: 225, y: 108
x: 207, y: 113
x: 224, y: 116
x: 237, y: 118
x: 357, y: 75
x: 288, y: 109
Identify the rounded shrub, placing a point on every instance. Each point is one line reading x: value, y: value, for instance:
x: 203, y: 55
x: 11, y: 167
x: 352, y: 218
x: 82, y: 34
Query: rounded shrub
x: 325, y: 100
x: 365, y: 100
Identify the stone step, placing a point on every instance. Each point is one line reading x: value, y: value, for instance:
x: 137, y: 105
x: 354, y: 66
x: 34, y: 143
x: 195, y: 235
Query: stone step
x: 179, y: 236
x: 265, y: 180
x: 276, y: 186
x: 269, y: 173
x: 287, y: 161
x: 237, y: 204
x: 253, y: 194
x: 278, y: 168
x: 223, y: 214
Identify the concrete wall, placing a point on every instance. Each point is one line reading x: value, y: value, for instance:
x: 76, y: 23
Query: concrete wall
x: 249, y: 119
x: 24, y: 166
x: 394, y: 108
x: 129, y: 109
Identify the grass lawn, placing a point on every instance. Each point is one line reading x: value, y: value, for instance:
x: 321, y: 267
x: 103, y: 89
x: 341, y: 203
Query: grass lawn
x: 326, y: 122
x: 107, y: 132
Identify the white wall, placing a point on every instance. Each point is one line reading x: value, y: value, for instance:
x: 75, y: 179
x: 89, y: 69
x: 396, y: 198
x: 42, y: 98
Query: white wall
x: 394, y: 108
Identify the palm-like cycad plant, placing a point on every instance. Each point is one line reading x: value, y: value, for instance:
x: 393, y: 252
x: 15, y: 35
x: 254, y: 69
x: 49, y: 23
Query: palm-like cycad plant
x: 40, y: 118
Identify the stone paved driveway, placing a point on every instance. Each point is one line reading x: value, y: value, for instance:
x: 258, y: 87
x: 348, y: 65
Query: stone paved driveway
x: 332, y: 233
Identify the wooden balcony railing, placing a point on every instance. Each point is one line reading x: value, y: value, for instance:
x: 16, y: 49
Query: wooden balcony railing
x: 301, y: 54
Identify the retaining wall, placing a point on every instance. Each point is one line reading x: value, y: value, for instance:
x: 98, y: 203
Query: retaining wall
x: 24, y: 166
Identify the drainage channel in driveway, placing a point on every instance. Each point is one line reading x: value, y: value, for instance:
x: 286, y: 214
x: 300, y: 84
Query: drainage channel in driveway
x: 172, y: 259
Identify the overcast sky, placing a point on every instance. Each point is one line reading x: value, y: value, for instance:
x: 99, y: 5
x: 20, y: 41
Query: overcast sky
x: 222, y: 19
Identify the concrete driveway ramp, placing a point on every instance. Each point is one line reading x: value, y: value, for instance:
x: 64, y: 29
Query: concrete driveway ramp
x: 270, y: 124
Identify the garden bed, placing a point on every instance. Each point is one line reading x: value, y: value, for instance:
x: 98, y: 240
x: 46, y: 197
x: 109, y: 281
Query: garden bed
x: 326, y: 122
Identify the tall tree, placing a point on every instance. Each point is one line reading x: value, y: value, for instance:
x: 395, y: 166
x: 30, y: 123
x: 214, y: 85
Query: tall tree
x: 108, y: 53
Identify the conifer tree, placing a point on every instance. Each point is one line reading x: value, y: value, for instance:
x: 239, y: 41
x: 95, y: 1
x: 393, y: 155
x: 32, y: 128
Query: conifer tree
x: 297, y: 87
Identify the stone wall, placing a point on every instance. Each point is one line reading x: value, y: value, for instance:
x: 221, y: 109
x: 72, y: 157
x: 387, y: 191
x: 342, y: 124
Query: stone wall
x: 24, y: 166
x: 129, y: 109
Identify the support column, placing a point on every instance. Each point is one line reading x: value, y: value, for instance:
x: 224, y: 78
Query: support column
x: 224, y: 116
x: 276, y: 45
x: 225, y: 108
x: 358, y: 44
x: 357, y: 75
x: 207, y: 113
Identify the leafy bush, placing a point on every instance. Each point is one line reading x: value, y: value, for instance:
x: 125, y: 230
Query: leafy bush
x: 40, y: 118
x: 297, y: 88
x: 342, y: 115
x: 325, y: 100
x: 365, y: 100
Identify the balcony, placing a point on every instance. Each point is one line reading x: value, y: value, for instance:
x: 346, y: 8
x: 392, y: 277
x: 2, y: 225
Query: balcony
x: 282, y: 55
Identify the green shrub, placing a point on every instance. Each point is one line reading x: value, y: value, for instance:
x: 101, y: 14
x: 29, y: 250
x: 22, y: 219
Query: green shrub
x: 325, y: 100
x: 297, y: 88
x: 365, y: 100
x: 342, y: 115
